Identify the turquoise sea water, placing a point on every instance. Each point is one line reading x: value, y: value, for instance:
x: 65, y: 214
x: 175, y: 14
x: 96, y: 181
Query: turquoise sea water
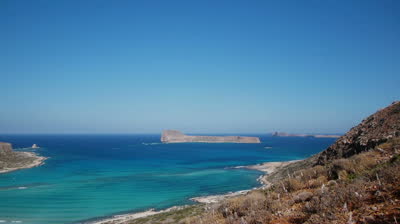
x: 92, y: 176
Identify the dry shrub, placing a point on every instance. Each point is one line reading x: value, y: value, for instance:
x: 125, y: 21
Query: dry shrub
x: 293, y: 184
x: 232, y: 207
x: 311, y: 173
x: 314, y: 183
x: 365, y: 161
x: 241, y: 206
x: 303, y: 196
x: 280, y: 221
x: 254, y: 200
x: 209, y: 218
x: 315, y: 219
x: 341, y: 165
x: 339, y: 198
x: 390, y: 145
x: 254, y: 208
x: 390, y: 175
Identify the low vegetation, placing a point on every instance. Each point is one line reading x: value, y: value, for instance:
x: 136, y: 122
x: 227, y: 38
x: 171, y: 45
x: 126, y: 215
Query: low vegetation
x: 178, y: 216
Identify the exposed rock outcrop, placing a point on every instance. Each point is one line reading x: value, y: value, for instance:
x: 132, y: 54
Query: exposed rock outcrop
x: 173, y: 136
x: 374, y: 130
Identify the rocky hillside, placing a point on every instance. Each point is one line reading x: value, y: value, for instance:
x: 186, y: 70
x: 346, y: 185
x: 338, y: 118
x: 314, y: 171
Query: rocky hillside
x: 374, y: 130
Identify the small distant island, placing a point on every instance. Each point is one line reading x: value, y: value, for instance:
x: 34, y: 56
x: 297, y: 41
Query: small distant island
x: 284, y: 134
x: 11, y: 160
x: 174, y: 136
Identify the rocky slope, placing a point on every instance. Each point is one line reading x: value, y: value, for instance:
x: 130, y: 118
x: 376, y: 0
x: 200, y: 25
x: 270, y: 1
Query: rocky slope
x: 372, y: 131
x: 173, y: 136
x: 11, y: 160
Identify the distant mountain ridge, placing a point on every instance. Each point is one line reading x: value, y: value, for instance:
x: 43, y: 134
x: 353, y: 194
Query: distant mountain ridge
x: 174, y: 136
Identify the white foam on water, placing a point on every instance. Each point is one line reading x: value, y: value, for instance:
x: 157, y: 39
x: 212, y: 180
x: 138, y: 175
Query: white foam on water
x: 2, y: 221
x: 151, y: 143
x: 21, y: 188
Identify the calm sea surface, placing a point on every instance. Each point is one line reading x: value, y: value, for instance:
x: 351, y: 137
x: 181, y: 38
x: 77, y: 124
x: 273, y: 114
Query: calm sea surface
x: 92, y: 176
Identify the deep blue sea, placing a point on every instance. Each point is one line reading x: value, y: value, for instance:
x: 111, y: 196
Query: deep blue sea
x: 92, y: 176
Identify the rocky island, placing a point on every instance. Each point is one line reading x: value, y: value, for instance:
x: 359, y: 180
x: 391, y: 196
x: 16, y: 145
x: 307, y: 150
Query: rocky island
x: 173, y: 136
x: 11, y: 160
x: 284, y: 134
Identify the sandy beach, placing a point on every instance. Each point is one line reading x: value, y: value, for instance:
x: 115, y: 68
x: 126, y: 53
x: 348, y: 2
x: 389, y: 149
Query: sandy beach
x: 120, y: 219
x: 267, y: 168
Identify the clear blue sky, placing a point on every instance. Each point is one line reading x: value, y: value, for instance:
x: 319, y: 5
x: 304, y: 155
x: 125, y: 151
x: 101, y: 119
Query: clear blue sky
x: 199, y: 66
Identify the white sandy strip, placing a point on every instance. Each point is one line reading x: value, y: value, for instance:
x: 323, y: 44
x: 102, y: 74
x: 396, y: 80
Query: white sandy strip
x: 120, y: 219
x: 39, y: 160
x: 217, y: 198
x: 267, y: 167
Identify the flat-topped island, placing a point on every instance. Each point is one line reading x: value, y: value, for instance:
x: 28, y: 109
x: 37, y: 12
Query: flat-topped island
x: 174, y: 136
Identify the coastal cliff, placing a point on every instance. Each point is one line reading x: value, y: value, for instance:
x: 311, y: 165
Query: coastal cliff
x: 11, y: 160
x: 173, y: 136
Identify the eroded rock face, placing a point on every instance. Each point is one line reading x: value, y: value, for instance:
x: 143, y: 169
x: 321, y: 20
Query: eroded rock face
x: 372, y: 131
x: 173, y: 136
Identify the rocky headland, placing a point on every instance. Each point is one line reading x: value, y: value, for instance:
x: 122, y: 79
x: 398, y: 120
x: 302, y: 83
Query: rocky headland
x: 173, y: 136
x: 11, y: 160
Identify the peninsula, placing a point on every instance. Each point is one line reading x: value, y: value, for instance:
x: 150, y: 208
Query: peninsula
x: 11, y: 160
x: 173, y: 136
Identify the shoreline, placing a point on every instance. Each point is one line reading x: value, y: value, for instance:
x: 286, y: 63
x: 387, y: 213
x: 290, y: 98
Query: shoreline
x: 267, y: 168
x: 120, y: 219
x: 38, y: 161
